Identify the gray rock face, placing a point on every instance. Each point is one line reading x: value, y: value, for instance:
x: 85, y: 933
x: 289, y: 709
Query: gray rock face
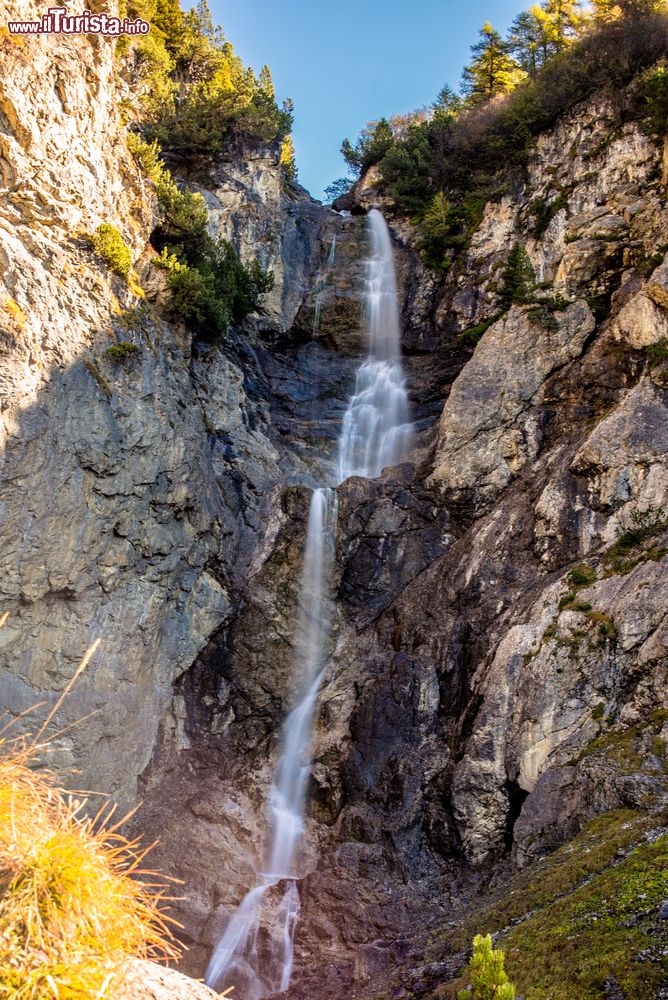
x: 490, y: 427
x: 133, y: 494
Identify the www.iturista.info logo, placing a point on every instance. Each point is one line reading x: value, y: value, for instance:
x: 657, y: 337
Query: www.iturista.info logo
x: 58, y: 21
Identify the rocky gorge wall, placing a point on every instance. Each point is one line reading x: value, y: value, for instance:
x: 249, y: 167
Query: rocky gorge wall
x: 491, y: 634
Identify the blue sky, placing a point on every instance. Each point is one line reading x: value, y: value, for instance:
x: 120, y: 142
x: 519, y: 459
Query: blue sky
x: 346, y: 63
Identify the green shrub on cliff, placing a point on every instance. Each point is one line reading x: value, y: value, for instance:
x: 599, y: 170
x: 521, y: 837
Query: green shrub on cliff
x: 210, y: 285
x: 654, y: 94
x: 518, y: 279
x: 487, y: 973
x: 108, y: 244
x: 215, y: 291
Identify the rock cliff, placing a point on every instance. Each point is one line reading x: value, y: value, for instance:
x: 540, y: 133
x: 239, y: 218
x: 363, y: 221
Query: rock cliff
x: 499, y: 670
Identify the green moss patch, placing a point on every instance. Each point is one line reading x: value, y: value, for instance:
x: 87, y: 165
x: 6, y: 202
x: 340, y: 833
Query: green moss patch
x: 608, y: 930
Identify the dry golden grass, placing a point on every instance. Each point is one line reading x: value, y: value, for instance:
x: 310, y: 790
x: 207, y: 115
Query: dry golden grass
x: 75, y: 903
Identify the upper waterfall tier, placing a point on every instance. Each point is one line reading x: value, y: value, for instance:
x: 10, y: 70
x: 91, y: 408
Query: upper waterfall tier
x: 376, y: 431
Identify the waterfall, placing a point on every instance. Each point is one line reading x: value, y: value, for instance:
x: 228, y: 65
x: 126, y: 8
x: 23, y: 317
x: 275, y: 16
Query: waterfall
x: 255, y: 953
x: 376, y: 431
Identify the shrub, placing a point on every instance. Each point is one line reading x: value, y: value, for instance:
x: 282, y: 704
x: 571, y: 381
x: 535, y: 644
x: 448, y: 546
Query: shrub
x: 471, y: 336
x: 407, y: 171
x: 108, y: 244
x: 185, y: 220
x: 518, y: 277
x: 219, y: 289
x: 657, y: 353
x: 446, y: 227
x: 487, y: 973
x: 544, y: 211
x: 147, y: 154
x: 654, y: 96
x: 582, y: 575
x: 645, y: 524
x: 121, y: 351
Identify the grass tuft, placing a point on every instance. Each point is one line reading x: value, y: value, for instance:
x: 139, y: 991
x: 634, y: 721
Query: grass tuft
x: 75, y: 901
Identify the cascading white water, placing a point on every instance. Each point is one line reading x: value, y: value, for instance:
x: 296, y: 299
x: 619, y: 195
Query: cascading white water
x: 262, y: 967
x: 255, y: 953
x: 376, y: 432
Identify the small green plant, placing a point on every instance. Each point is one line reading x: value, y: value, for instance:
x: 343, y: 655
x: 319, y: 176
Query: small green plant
x: 121, y: 351
x: 147, y: 155
x: 657, y: 353
x: 470, y: 337
x: 541, y: 314
x: 645, y: 524
x: 487, y: 973
x: 108, y: 244
x: 582, y: 575
x: 518, y: 278
x: 597, y: 711
x: 544, y: 211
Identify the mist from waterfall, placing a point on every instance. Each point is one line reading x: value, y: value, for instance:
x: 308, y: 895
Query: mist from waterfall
x: 255, y: 953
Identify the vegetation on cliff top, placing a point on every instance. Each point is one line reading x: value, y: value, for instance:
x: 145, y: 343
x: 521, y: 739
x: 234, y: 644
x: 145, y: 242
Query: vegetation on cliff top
x: 194, y: 99
x: 442, y: 165
x: 194, y: 95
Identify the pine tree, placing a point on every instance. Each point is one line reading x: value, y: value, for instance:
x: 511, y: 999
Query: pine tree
x: 168, y: 18
x: 288, y: 160
x: 448, y: 104
x: 435, y: 230
x: 518, y: 279
x: 493, y: 71
x: 565, y: 21
x: 528, y: 42
x: 375, y: 140
x: 265, y: 82
x: 205, y: 20
x: 487, y: 972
